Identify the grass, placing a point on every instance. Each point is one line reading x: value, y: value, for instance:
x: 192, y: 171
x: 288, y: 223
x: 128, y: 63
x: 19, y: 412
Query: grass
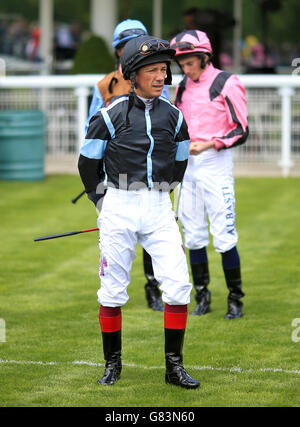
x: 48, y: 301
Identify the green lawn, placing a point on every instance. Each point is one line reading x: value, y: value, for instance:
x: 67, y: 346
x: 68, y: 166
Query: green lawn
x: 48, y: 301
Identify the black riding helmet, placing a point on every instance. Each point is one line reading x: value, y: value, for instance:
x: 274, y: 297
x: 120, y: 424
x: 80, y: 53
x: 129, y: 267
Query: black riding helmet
x: 146, y: 50
x: 141, y: 51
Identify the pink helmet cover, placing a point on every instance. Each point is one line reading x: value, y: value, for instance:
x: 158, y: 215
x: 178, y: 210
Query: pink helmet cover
x: 191, y: 41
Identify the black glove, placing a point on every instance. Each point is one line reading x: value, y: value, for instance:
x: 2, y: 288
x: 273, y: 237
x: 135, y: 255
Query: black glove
x: 97, y: 199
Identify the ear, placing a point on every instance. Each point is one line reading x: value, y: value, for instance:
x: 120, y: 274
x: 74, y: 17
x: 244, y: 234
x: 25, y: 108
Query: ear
x: 119, y: 51
x: 136, y: 79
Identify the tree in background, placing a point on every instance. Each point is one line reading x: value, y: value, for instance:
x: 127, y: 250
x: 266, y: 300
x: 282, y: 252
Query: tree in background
x: 93, y: 57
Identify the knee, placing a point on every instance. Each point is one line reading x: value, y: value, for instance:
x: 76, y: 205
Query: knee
x: 177, y: 293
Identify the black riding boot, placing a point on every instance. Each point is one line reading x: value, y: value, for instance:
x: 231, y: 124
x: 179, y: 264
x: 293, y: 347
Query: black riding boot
x: 234, y: 284
x: 200, y: 274
x: 175, y: 372
x: 153, y: 295
x: 112, y: 354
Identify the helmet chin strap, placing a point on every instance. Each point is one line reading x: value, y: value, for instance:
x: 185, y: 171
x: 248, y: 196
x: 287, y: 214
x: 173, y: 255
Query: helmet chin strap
x: 131, y: 96
x: 168, y: 80
x: 204, y: 61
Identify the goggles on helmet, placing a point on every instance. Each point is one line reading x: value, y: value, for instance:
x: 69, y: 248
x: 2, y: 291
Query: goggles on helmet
x: 131, y: 32
x: 183, y: 46
x: 153, y: 45
x: 146, y: 50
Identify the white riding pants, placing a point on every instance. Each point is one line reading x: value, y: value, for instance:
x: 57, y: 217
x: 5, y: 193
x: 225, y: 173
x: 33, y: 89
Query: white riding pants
x: 208, y: 193
x: 129, y: 217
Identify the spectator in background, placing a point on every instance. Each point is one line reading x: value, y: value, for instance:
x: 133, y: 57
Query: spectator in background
x: 65, y: 45
x: 213, y: 23
x: 17, y: 36
x: 257, y: 57
x: 33, y: 45
x: 225, y: 56
x: 76, y: 33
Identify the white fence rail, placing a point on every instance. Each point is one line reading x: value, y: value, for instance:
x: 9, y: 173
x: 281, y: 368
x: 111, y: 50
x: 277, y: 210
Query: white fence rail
x: 273, y: 146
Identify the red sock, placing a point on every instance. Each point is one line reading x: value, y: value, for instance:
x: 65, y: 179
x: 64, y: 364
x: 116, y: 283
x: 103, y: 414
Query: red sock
x: 175, y: 316
x: 110, y: 319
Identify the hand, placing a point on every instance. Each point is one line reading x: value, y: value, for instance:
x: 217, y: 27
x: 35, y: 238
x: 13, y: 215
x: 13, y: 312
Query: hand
x: 96, y: 198
x: 198, y: 147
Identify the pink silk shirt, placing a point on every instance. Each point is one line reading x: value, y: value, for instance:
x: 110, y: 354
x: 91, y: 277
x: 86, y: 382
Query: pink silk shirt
x: 215, y: 109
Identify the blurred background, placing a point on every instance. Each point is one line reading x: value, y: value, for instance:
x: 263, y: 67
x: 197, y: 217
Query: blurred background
x: 268, y: 29
x: 52, y: 52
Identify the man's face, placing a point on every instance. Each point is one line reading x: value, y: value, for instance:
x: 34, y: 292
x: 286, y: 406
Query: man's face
x: 151, y: 80
x: 191, y: 67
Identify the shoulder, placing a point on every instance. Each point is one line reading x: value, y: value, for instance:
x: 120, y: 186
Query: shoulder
x: 174, y: 113
x: 234, y: 83
x: 116, y: 109
x: 117, y: 102
x: 169, y: 105
x: 219, y: 83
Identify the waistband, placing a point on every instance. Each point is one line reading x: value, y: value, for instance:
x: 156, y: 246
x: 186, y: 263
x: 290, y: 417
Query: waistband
x: 138, y: 194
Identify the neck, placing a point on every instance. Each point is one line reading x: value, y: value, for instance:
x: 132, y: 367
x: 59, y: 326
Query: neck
x: 145, y: 99
x: 143, y: 95
x: 202, y: 70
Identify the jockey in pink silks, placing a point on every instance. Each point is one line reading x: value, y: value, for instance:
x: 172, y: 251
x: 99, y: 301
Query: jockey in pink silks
x: 214, y: 106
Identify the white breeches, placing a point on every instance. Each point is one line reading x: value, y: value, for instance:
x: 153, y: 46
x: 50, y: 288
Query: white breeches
x: 143, y: 216
x: 208, y: 194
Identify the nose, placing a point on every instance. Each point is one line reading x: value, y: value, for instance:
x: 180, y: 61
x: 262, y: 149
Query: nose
x: 160, y: 76
x: 185, y: 69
